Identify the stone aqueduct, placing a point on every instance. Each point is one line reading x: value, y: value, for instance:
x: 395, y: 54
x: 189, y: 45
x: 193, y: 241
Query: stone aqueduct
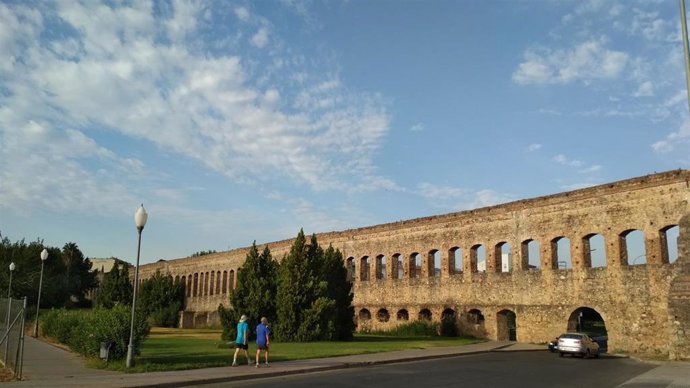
x: 427, y: 268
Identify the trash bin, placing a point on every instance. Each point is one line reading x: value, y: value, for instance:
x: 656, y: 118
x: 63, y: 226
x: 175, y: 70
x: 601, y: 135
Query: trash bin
x: 105, y: 349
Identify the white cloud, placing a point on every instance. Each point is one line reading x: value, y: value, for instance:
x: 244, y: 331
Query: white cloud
x: 679, y: 138
x: 419, y: 127
x: 562, y: 159
x: 260, y: 39
x: 646, y: 89
x: 534, y: 147
x: 115, y: 73
x: 454, y: 198
x: 586, y: 62
x: 242, y: 13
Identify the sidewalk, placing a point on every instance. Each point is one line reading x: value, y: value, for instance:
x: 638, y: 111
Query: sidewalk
x: 48, y: 366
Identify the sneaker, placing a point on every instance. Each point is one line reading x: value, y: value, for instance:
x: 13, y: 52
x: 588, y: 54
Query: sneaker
x: 257, y: 364
x: 266, y: 365
x: 234, y: 363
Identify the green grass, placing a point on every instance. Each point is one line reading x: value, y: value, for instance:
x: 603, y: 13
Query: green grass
x: 171, y: 349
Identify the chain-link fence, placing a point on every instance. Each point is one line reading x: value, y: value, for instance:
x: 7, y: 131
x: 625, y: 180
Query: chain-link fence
x: 13, y: 314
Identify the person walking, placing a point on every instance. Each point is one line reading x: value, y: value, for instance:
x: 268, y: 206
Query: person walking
x: 263, y: 333
x: 242, y: 340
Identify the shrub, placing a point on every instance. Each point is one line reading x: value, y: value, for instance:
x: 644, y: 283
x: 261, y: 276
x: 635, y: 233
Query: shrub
x: 421, y: 328
x: 83, y: 331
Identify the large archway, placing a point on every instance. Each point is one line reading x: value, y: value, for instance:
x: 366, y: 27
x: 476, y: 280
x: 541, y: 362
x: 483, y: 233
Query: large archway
x: 587, y: 320
x: 506, y: 329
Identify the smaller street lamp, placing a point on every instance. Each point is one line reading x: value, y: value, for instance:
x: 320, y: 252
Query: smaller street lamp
x: 9, y: 307
x: 140, y: 218
x: 44, y: 256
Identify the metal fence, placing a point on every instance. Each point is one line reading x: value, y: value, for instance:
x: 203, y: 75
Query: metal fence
x: 13, y: 313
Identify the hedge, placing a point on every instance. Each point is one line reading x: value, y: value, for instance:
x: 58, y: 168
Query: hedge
x: 84, y: 330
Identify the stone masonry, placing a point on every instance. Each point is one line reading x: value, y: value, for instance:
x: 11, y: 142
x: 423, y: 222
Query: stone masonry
x: 431, y: 267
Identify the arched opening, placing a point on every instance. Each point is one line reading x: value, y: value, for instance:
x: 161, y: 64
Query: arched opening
x: 364, y: 269
x: 364, y: 315
x: 212, y: 285
x: 402, y: 315
x: 593, y: 251
x: 633, y: 248
x: 225, y: 282
x: 669, y: 244
x: 196, y: 284
x: 424, y: 314
x: 380, y: 267
x: 350, y: 265
x: 448, y: 314
x: 382, y: 315
x: 560, y: 253
x: 531, y: 255
x: 189, y: 285
x: 503, y: 256
x: 478, y: 258
x: 415, y: 265
x: 434, y: 263
x: 455, y: 260
x: 506, y: 326
x: 231, y: 280
x: 183, y: 280
x: 217, y: 282
x: 589, y: 321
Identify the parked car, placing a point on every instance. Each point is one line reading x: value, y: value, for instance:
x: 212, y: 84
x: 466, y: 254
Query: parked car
x: 577, y: 343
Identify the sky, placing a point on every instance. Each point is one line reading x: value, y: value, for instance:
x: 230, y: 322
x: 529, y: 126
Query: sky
x: 242, y: 121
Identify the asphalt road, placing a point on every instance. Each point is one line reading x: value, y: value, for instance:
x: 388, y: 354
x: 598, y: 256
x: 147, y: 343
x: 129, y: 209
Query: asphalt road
x: 498, y: 369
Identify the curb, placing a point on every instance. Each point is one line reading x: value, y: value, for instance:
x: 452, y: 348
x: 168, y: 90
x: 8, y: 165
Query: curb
x: 345, y: 365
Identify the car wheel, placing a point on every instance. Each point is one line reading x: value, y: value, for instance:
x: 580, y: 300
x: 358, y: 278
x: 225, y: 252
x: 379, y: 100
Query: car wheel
x: 560, y: 354
x: 586, y: 355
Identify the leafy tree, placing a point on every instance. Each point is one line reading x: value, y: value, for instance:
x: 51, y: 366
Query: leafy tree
x: 161, y: 298
x: 78, y: 275
x: 333, y: 271
x: 26, y: 276
x: 255, y: 295
x: 116, y: 288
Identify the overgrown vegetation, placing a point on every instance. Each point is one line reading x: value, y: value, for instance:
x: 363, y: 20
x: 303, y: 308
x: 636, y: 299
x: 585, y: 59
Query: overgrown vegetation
x: 66, y: 275
x: 160, y: 299
x: 116, y: 288
x: 84, y: 330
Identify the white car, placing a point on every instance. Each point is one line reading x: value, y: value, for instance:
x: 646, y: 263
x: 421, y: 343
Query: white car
x: 577, y: 343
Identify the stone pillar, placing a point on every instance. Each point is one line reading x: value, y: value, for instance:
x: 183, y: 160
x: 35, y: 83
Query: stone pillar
x: 469, y: 263
x: 493, y: 255
x: 427, y: 262
x: 653, y: 244
x: 578, y: 246
x: 547, y: 255
x: 521, y: 257
x: 391, y: 267
x: 446, y: 270
x: 615, y: 244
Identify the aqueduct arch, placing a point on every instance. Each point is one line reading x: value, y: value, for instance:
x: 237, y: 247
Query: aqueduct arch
x: 539, y: 293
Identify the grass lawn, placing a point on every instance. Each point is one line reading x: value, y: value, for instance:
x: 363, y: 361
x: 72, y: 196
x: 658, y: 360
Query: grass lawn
x: 177, y: 349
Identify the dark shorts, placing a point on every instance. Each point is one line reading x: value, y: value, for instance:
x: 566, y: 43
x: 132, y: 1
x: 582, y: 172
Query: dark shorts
x: 241, y: 346
x: 261, y: 347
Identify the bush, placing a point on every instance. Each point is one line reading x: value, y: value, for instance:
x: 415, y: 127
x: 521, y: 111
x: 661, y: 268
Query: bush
x: 83, y: 331
x: 421, y: 328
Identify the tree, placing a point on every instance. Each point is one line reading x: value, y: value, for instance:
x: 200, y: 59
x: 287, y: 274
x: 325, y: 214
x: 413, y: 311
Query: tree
x: 255, y: 295
x: 333, y: 271
x: 309, y: 306
x: 161, y: 298
x: 78, y: 276
x: 115, y: 289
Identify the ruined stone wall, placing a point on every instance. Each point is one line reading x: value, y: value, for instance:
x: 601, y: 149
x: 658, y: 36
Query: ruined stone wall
x: 632, y: 299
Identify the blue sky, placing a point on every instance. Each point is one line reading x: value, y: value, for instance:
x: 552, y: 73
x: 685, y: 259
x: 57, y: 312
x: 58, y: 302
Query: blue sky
x: 242, y: 121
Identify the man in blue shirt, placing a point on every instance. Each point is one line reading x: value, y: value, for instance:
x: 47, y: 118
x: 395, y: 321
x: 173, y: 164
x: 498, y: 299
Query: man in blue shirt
x: 263, y: 333
x: 242, y: 340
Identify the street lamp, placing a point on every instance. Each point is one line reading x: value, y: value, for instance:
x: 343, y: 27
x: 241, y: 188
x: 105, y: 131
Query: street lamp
x: 140, y: 218
x: 44, y: 256
x: 9, y: 308
x: 634, y: 262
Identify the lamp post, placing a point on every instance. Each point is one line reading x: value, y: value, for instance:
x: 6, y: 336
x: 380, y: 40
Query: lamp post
x: 140, y: 218
x: 44, y: 256
x: 9, y: 308
x: 634, y: 262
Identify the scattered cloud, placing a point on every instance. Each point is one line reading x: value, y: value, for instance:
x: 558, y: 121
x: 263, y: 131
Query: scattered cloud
x: 533, y: 147
x: 646, y: 89
x: 176, y: 92
x: 562, y: 159
x: 419, y: 127
x: 457, y: 199
x: 678, y: 138
x: 590, y: 60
